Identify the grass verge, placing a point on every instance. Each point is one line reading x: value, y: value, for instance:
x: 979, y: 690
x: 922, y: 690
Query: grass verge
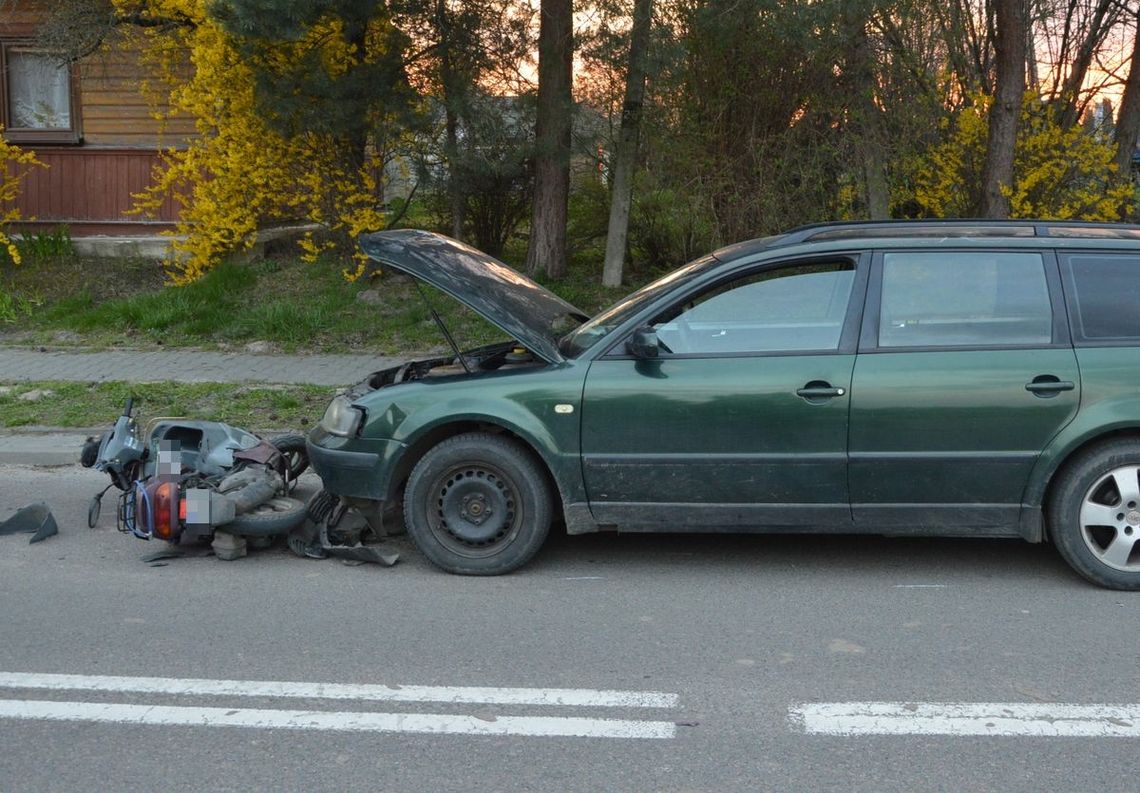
x: 296, y: 307
x: 254, y: 407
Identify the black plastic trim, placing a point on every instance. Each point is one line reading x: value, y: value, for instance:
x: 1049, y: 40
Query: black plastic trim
x: 343, y: 472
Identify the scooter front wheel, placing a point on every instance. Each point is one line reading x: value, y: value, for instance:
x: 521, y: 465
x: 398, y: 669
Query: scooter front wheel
x: 292, y: 447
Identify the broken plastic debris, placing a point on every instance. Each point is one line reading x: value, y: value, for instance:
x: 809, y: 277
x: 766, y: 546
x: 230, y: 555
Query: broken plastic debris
x: 35, y: 519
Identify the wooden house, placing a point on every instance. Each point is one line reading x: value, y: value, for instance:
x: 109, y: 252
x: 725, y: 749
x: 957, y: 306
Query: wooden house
x: 90, y: 123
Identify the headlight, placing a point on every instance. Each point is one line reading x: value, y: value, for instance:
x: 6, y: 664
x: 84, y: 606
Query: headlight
x: 342, y: 418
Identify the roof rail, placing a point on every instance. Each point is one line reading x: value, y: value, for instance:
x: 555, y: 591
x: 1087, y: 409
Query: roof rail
x: 960, y: 227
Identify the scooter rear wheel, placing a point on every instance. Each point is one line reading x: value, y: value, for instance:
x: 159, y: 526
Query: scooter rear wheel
x: 278, y: 515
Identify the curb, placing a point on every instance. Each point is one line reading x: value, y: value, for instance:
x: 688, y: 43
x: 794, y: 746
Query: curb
x: 48, y: 447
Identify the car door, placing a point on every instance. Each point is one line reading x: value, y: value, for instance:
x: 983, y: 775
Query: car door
x: 965, y: 371
x: 741, y: 419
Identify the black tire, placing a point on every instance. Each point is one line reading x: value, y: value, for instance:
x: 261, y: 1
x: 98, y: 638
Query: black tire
x: 1092, y: 517
x: 478, y: 504
x: 295, y: 453
x: 279, y: 515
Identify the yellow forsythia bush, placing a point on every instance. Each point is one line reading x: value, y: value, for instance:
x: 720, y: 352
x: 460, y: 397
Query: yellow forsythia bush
x: 238, y: 174
x: 1058, y: 174
x: 14, y: 163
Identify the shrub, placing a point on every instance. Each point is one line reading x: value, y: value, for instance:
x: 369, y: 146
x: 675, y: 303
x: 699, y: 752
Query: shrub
x: 1058, y: 173
x: 14, y: 165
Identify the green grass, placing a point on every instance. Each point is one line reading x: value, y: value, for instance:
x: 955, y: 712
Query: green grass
x: 297, y: 307
x: 253, y: 407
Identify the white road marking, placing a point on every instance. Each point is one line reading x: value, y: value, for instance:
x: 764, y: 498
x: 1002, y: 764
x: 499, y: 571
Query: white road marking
x: 440, y: 724
x: 967, y: 718
x: 920, y: 586
x: 571, y: 697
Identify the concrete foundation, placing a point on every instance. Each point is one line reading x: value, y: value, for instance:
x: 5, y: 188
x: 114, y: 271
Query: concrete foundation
x: 158, y: 246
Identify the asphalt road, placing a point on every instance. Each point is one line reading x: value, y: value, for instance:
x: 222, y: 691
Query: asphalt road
x: 730, y: 634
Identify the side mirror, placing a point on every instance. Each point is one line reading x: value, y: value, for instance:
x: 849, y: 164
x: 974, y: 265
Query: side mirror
x: 643, y: 343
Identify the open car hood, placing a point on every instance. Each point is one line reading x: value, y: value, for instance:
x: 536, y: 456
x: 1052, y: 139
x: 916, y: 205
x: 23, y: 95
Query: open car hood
x: 531, y: 314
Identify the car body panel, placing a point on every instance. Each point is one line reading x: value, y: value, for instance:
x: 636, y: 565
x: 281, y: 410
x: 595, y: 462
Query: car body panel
x: 951, y: 437
x: 723, y: 439
x: 1110, y: 403
x: 524, y: 401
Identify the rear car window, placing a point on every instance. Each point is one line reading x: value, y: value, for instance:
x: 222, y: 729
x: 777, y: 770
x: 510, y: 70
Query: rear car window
x: 964, y: 298
x: 1105, y: 295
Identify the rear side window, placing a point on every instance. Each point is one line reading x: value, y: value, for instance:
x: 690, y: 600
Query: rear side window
x: 1105, y: 295
x: 964, y: 298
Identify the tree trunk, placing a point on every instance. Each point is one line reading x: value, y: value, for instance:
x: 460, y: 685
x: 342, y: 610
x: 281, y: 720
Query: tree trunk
x: 449, y: 82
x: 1128, y: 120
x: 625, y: 158
x: 1006, y: 107
x: 1102, y: 21
x: 875, y: 180
x: 454, y: 186
x: 869, y: 143
x: 547, y: 250
x: 1032, y: 79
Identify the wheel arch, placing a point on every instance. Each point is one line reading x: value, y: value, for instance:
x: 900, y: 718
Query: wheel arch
x: 1062, y: 462
x: 429, y: 437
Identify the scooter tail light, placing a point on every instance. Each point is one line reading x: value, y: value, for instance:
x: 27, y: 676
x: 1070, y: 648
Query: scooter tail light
x: 164, y: 507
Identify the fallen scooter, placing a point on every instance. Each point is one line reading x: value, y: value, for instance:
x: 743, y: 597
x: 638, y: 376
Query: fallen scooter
x: 184, y: 481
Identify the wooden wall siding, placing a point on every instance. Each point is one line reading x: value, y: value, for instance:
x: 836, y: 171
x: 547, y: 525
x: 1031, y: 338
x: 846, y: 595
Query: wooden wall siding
x: 91, y: 186
x: 21, y: 13
x: 116, y: 111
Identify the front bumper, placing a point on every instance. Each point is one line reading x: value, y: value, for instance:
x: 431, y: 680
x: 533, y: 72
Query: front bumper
x: 351, y: 467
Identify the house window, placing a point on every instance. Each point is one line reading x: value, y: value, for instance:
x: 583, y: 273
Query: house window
x: 37, y: 98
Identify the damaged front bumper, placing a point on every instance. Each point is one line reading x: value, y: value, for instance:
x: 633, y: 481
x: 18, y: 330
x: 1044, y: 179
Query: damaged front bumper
x: 352, y: 467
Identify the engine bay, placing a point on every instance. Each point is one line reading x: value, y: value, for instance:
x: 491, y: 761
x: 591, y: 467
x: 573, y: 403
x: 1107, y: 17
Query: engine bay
x: 495, y: 357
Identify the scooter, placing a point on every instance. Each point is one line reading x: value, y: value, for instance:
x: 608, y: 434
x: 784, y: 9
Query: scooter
x: 184, y: 480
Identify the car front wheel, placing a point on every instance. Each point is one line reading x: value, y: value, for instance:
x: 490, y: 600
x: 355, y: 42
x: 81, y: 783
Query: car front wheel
x: 478, y: 504
x: 1094, y: 514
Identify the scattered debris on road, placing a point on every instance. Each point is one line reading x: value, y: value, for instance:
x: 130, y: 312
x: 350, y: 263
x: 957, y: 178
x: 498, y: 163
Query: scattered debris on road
x: 35, y: 519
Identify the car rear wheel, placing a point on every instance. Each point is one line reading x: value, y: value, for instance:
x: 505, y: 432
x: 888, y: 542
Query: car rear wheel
x: 1094, y: 514
x: 478, y: 504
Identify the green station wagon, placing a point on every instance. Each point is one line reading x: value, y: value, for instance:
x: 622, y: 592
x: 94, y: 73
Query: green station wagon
x: 967, y: 378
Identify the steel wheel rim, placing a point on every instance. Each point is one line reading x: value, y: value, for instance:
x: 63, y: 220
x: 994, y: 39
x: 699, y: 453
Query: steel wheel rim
x: 474, y: 510
x: 1110, y: 519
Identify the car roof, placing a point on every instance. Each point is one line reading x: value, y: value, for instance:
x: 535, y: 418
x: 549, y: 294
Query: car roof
x: 927, y: 230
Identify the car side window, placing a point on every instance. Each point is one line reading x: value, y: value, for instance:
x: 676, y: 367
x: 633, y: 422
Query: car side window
x: 964, y: 298
x: 1105, y: 290
x: 787, y: 309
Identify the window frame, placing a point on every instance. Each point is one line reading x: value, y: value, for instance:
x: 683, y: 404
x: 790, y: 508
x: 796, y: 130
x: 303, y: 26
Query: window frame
x: 849, y: 334
x: 1072, y: 303
x: 72, y: 135
x: 869, y: 333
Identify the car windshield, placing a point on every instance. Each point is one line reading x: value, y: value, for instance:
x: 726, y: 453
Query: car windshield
x: 590, y: 332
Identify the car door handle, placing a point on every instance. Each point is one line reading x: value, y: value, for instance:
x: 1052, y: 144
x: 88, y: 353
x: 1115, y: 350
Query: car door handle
x: 1049, y: 387
x: 819, y: 391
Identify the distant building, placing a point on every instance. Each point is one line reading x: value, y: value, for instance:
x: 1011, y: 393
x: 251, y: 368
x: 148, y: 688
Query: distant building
x: 90, y: 123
